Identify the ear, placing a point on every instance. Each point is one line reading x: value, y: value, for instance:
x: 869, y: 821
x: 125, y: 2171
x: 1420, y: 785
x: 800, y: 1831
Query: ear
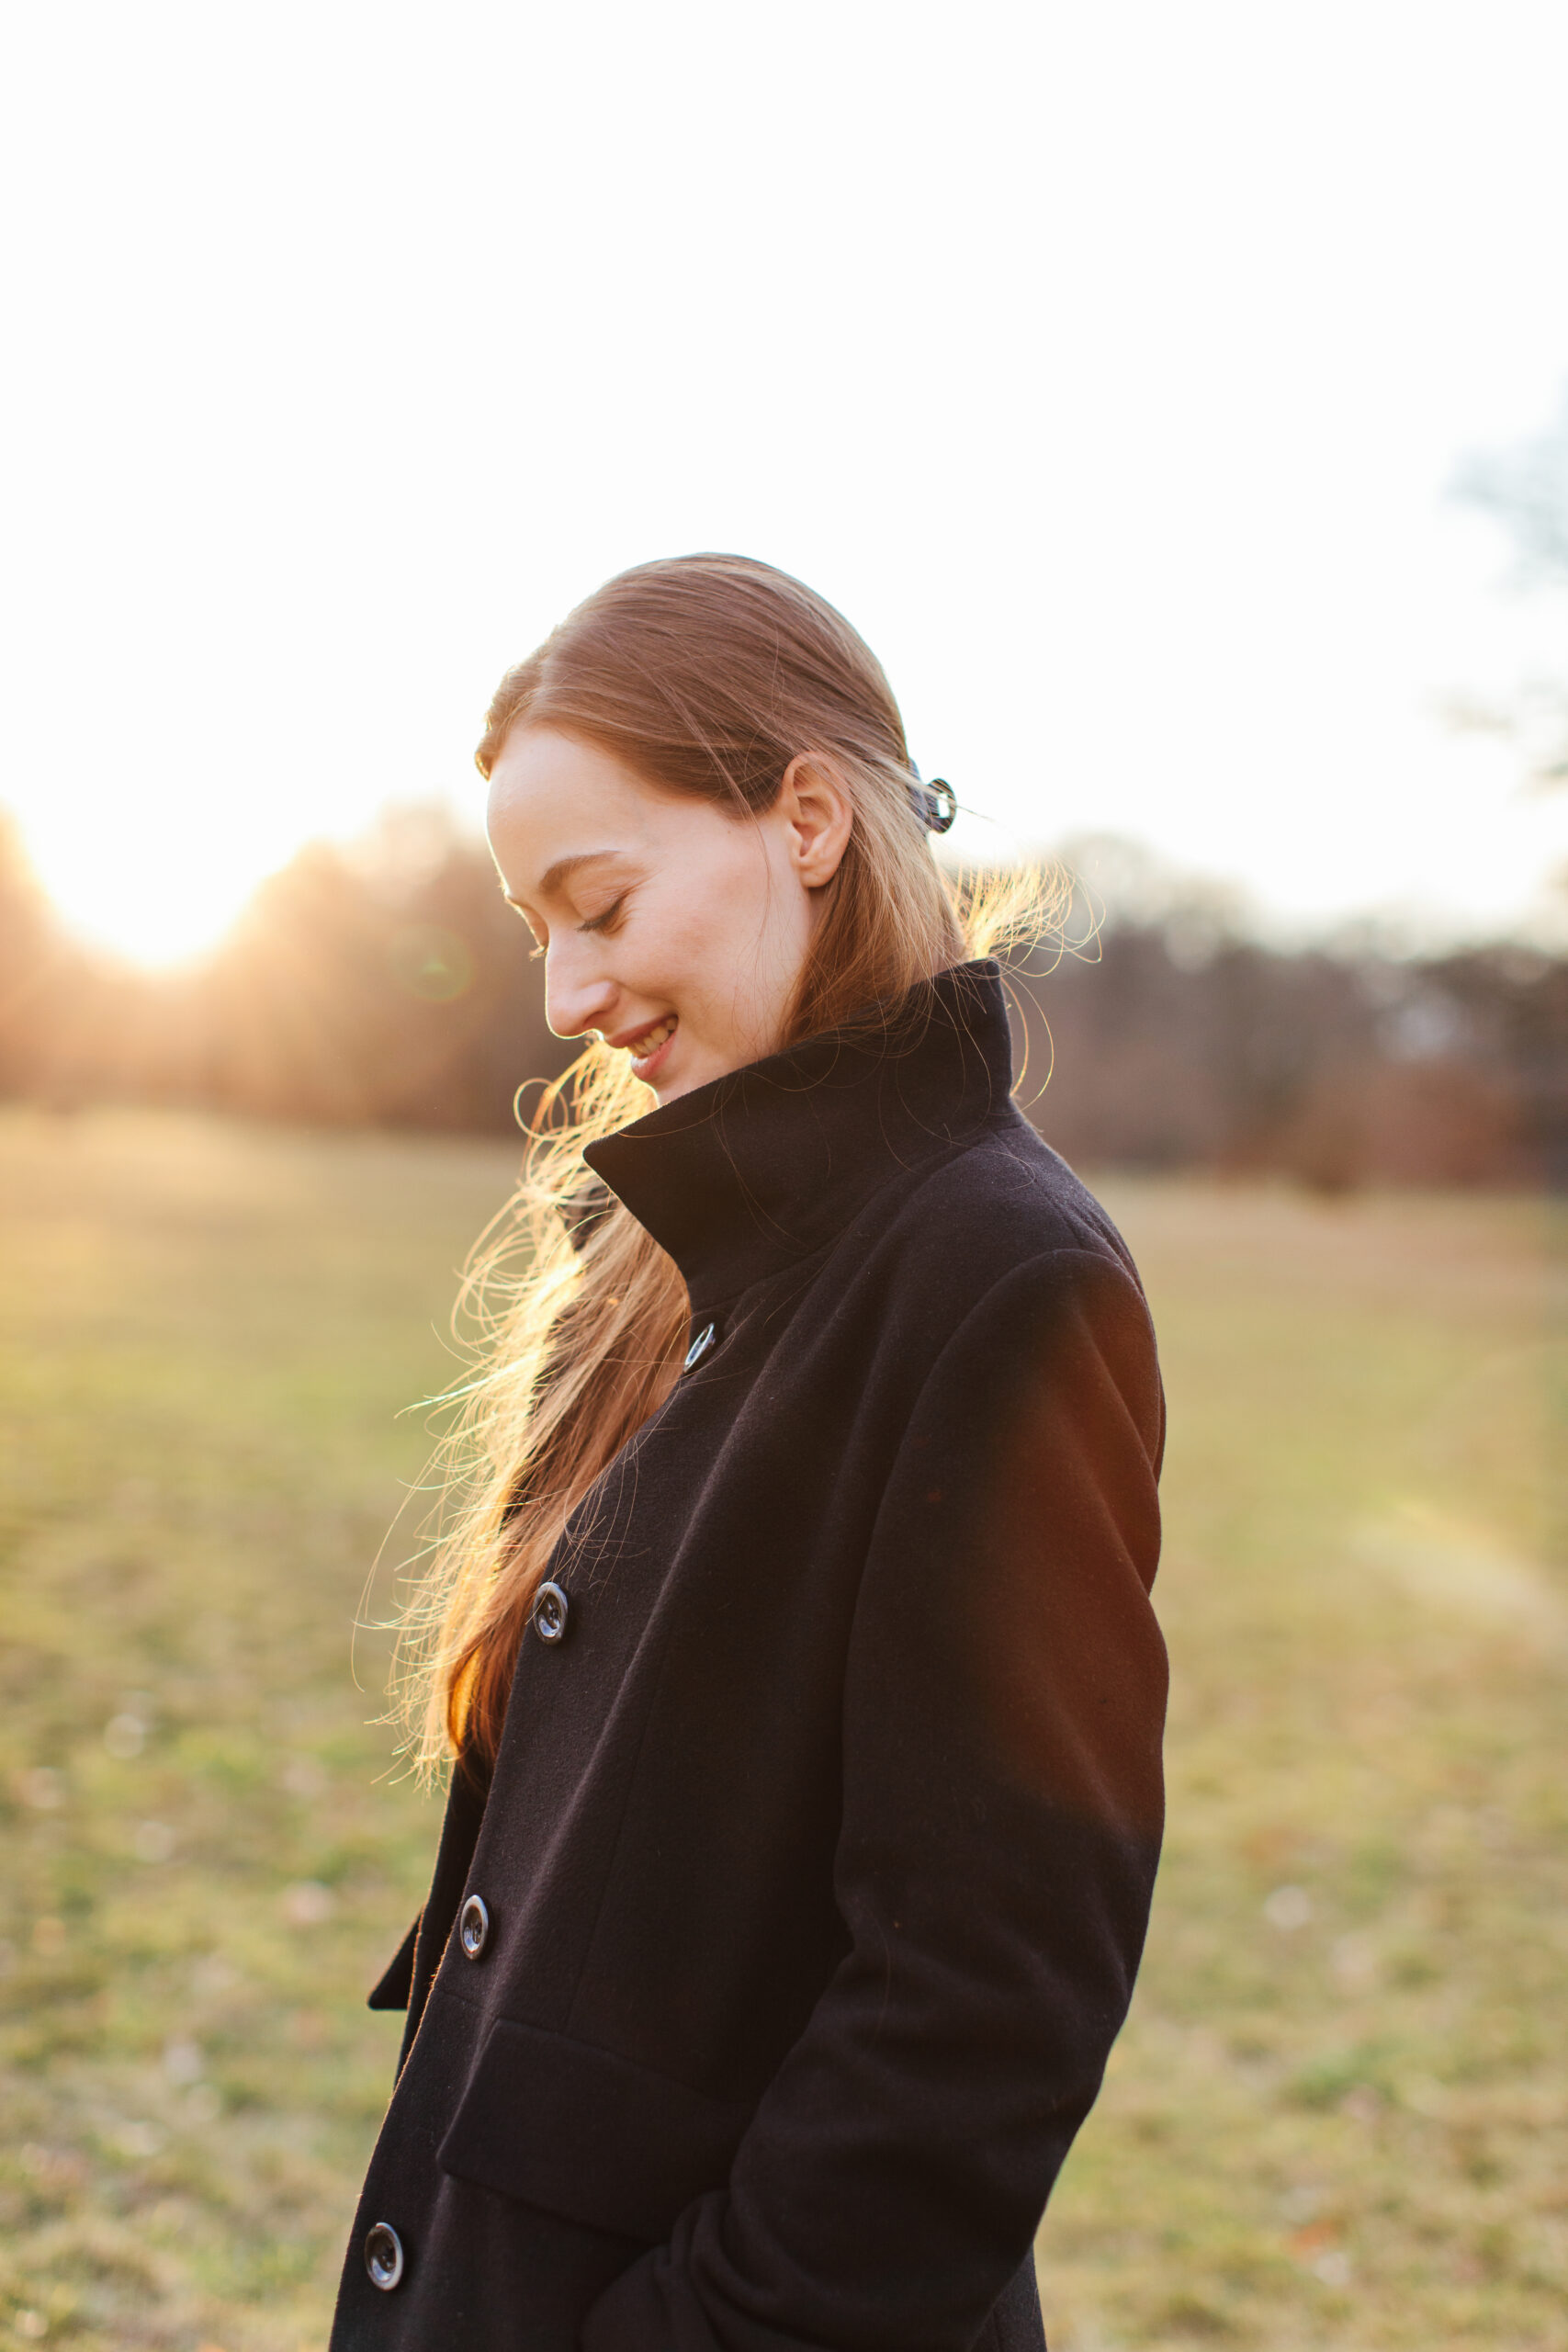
x: 815, y: 809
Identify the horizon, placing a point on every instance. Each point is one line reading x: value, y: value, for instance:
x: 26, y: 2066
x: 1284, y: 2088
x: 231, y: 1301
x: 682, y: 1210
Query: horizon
x: 1116, y: 880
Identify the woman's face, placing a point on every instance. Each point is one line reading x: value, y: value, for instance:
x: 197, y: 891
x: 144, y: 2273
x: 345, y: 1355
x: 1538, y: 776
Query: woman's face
x: 674, y: 930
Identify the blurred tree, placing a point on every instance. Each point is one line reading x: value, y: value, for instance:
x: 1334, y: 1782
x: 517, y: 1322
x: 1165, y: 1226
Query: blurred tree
x: 1172, y: 1039
x: 1525, y: 491
x: 32, y: 951
x: 389, y: 984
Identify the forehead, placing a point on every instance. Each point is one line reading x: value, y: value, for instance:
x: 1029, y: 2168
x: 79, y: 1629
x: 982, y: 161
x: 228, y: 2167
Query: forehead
x: 539, y: 770
x: 554, y: 800
x: 551, y: 797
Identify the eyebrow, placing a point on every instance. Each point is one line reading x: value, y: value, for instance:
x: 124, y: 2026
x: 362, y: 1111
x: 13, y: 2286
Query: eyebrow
x: 563, y: 869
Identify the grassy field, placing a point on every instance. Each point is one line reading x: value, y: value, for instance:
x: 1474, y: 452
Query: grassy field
x: 1339, y: 2115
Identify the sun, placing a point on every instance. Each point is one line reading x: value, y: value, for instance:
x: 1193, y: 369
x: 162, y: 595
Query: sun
x: 155, y: 896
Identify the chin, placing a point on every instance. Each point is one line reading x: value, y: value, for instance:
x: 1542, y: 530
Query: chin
x: 698, y: 1068
x: 692, y: 1070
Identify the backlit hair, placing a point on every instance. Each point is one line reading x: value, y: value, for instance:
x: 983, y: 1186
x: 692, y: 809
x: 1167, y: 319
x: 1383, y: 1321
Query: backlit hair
x: 705, y: 675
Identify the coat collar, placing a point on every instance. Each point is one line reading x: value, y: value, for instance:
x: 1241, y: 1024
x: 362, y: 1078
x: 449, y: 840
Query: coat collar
x: 741, y: 1176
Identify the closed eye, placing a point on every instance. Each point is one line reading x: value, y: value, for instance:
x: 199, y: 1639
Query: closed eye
x: 609, y: 919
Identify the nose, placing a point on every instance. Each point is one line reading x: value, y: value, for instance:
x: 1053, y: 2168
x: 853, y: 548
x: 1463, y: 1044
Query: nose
x: 577, y: 994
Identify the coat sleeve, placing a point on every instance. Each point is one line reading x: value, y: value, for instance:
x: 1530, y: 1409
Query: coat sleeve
x: 1002, y: 1806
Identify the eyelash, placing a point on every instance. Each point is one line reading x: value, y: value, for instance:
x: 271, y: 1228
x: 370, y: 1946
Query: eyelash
x: 606, y: 921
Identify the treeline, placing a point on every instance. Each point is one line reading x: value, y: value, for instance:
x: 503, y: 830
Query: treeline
x: 1338, y: 1070
x: 389, y: 985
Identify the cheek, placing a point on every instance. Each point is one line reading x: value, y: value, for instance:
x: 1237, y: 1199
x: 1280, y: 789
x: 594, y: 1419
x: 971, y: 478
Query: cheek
x: 733, y: 935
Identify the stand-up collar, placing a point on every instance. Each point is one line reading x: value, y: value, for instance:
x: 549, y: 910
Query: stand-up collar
x: 759, y: 1166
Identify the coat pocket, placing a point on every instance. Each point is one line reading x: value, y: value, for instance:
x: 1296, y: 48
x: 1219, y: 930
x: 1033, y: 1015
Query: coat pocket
x: 577, y: 2131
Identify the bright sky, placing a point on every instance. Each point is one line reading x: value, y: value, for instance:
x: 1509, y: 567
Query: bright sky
x: 1108, y: 366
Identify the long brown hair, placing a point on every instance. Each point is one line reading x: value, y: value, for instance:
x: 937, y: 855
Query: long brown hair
x: 707, y: 674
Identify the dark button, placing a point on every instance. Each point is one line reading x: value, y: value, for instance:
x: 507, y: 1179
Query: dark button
x: 550, y: 1609
x: 700, y: 1345
x: 473, y: 1926
x: 384, y: 2257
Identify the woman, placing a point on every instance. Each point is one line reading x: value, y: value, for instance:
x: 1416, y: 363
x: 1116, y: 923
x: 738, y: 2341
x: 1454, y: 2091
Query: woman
x: 792, y: 1642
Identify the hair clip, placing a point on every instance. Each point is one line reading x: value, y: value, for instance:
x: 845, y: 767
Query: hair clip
x: 935, y: 804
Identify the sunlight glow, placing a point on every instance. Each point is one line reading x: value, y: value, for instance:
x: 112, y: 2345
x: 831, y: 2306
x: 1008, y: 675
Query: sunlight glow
x: 159, y: 893
x: 172, y: 911
x: 1120, y: 423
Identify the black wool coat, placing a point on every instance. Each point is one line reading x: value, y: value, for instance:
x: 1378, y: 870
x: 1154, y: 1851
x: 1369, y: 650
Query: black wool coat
x: 755, y: 2005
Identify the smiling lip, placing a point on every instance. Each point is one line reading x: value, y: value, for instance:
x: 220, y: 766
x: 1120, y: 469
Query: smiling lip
x: 649, y: 1043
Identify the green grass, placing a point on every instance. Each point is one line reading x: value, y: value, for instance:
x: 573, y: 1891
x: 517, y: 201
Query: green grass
x: 1339, y: 2114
